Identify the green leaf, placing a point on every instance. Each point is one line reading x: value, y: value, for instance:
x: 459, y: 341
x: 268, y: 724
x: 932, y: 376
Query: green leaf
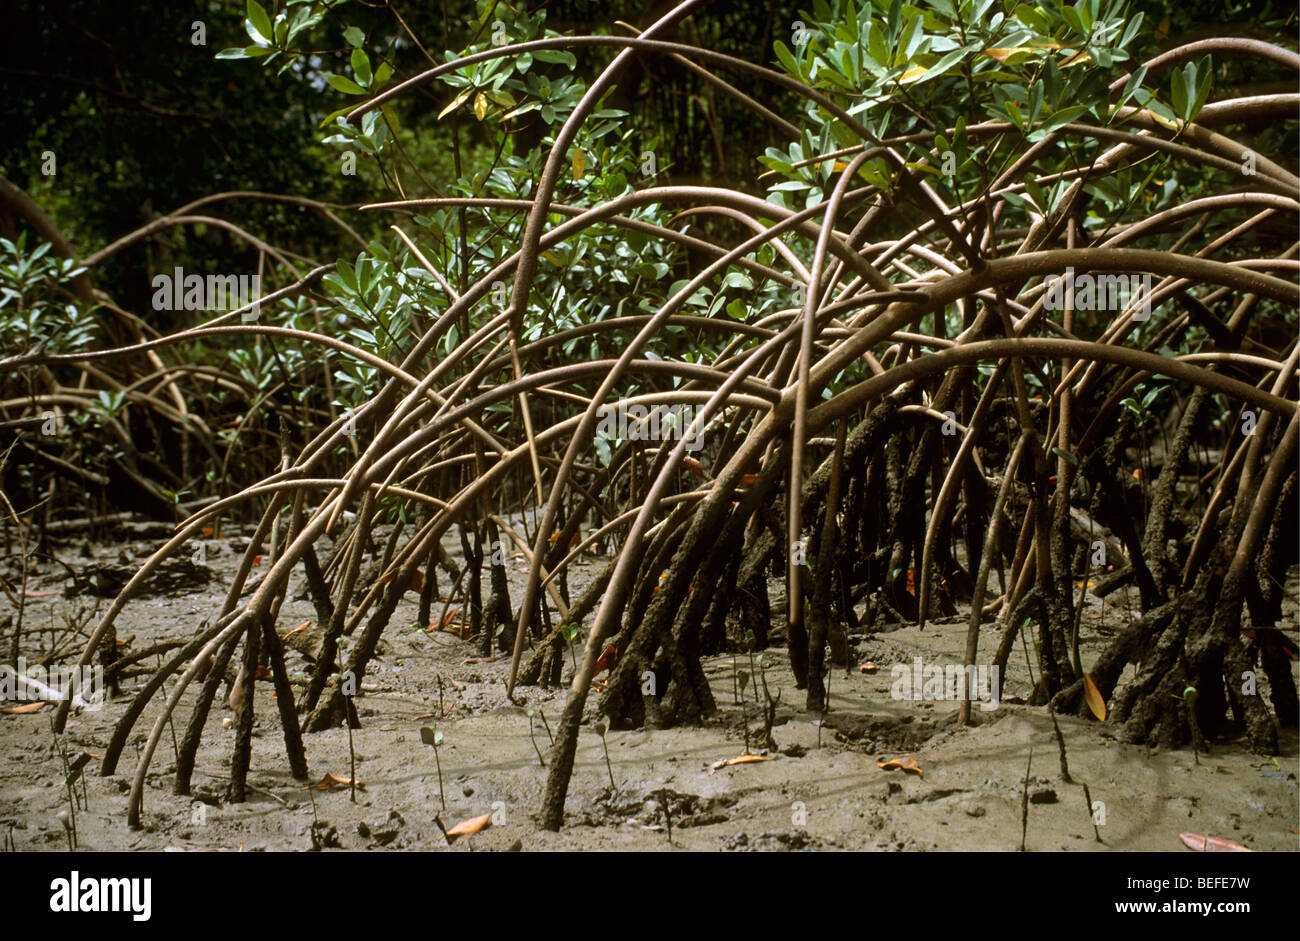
x: 786, y: 58
x: 260, y: 22
x: 353, y: 36
x: 345, y: 85
x: 361, y: 66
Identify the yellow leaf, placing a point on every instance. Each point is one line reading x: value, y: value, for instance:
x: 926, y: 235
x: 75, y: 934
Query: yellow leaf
x: 1163, y: 29
x: 911, y: 75
x: 455, y: 103
x: 1077, y: 59
x: 470, y: 826
x: 480, y: 105
x: 906, y: 762
x: 1093, y: 697
x: 579, y: 163
x: 1002, y: 55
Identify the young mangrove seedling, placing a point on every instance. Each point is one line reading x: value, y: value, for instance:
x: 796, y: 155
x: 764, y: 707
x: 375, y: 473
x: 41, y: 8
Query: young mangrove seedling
x: 602, y: 727
x: 530, y: 714
x: 433, y: 736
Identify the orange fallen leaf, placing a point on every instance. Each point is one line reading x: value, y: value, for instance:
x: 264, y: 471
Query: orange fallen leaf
x: 263, y: 673
x: 694, y: 466
x: 868, y: 667
x: 257, y: 560
x: 481, y: 660
x: 301, y: 627
x: 1093, y: 697
x: 738, y: 760
x: 24, y: 708
x: 33, y: 593
x: 471, y: 826
x: 906, y: 762
x: 1137, y: 473
x: 332, y: 781
x: 206, y: 532
x: 911, y: 582
x: 1212, y: 844
x: 748, y: 480
x: 606, y: 661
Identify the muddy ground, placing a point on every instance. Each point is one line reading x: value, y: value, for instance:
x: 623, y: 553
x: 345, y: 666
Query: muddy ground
x: 821, y: 789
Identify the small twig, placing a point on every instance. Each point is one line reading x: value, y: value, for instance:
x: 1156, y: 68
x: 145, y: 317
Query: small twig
x: 1024, y: 802
x: 1060, y: 745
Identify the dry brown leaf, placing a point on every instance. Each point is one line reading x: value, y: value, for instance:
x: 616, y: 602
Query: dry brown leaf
x: 331, y: 781
x: 470, y: 826
x: 24, y: 709
x: 906, y: 762
x: 1212, y: 844
x: 1093, y: 696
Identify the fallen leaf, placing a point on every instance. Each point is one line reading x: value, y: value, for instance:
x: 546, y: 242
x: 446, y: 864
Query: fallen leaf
x: 33, y: 593
x: 748, y: 480
x: 257, y: 560
x: 480, y: 660
x: 1212, y: 844
x: 1093, y: 696
x: 331, y: 781
x: 868, y: 667
x: 263, y: 673
x: 24, y: 708
x: 301, y: 627
x: 906, y: 762
x: 694, y: 466
x: 911, y: 582
x: 606, y: 660
x: 206, y: 532
x: 738, y: 760
x: 471, y: 826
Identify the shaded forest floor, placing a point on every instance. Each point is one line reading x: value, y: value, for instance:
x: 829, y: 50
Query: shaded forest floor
x: 823, y: 787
